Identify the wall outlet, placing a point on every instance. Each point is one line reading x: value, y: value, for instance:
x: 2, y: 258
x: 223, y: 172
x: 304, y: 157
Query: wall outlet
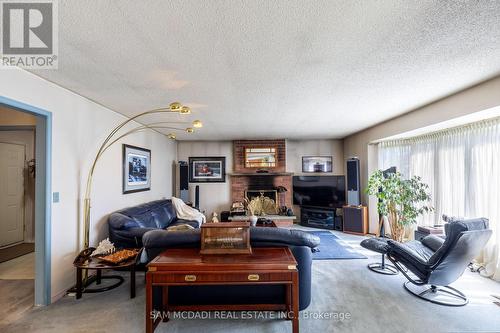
x: 55, y: 197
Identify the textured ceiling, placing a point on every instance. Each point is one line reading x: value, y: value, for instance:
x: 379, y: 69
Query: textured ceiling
x: 293, y: 69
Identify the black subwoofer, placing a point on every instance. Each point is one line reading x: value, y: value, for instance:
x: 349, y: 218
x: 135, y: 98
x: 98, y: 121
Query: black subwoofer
x: 355, y: 219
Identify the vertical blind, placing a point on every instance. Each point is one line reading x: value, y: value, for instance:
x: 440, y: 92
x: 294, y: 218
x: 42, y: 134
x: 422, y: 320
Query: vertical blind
x: 462, y: 168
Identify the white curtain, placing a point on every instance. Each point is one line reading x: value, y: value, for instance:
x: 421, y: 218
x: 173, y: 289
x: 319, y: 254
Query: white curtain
x: 462, y: 168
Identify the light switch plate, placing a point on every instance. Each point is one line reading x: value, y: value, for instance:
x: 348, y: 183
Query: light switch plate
x: 55, y: 197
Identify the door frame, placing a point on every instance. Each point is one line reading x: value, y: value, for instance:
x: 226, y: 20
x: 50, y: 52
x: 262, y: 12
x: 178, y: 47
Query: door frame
x: 43, y: 207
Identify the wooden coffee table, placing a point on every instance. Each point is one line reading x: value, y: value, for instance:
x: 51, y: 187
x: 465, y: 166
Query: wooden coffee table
x: 181, y: 267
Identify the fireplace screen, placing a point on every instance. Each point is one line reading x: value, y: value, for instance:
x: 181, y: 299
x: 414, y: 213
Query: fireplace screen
x: 260, y: 157
x: 263, y: 202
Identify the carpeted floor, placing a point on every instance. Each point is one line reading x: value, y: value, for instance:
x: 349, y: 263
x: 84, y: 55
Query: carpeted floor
x: 332, y: 247
x: 373, y: 302
x: 16, y: 297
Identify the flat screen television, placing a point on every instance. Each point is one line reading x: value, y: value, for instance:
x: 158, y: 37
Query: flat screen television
x: 319, y: 191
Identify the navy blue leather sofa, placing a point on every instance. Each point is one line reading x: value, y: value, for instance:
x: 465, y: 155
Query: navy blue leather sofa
x: 300, y: 243
x: 127, y: 226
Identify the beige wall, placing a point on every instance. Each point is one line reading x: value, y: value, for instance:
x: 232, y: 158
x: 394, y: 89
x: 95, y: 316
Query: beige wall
x: 217, y: 196
x: 78, y: 126
x: 295, y: 149
x: 213, y: 196
x: 10, y: 117
x: 27, y: 139
x: 474, y: 99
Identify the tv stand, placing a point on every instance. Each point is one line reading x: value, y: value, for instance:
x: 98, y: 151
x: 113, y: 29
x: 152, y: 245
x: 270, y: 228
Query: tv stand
x: 319, y: 217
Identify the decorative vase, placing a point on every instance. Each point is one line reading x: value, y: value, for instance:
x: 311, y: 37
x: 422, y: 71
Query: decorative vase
x: 253, y: 220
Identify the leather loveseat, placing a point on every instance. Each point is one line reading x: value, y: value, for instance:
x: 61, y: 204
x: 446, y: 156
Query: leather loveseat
x: 127, y: 226
x: 300, y: 243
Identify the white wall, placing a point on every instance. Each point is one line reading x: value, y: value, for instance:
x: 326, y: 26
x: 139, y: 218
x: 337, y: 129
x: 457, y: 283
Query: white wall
x: 475, y: 99
x: 78, y: 126
x: 217, y: 196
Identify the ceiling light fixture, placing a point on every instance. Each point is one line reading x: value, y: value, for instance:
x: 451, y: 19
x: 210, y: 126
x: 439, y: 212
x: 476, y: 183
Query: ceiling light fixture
x: 197, y: 124
x: 175, y: 106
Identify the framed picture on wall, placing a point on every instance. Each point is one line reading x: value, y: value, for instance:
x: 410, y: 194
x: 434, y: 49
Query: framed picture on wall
x: 317, y: 164
x: 136, y: 169
x: 207, y: 169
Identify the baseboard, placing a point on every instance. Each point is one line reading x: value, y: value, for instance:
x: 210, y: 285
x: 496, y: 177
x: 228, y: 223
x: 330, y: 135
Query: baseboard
x: 59, y: 295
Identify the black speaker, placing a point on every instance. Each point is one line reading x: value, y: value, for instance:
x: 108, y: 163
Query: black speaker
x: 183, y: 176
x: 353, y: 192
x: 197, y: 197
x: 183, y: 181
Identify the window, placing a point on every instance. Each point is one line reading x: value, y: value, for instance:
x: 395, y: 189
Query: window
x: 462, y: 168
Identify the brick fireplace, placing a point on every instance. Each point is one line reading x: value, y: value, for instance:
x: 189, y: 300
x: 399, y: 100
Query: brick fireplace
x: 245, y: 178
x: 240, y: 183
x: 239, y: 147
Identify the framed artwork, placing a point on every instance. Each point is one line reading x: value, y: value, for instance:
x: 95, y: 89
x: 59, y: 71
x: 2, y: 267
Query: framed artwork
x: 317, y: 164
x: 136, y: 169
x: 260, y: 157
x: 207, y: 169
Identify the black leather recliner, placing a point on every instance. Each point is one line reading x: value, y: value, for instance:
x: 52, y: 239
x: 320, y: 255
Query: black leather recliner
x: 300, y: 243
x: 438, y: 262
x: 127, y: 226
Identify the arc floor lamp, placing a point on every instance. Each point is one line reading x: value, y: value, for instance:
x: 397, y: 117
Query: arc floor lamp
x: 114, y: 136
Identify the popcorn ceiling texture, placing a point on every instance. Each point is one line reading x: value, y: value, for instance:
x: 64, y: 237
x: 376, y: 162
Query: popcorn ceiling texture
x: 290, y: 69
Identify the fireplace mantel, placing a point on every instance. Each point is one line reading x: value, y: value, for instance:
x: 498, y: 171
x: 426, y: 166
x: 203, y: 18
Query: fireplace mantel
x: 248, y: 174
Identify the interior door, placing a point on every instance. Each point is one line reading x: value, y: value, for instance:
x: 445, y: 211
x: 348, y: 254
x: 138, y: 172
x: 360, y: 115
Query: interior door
x: 11, y: 193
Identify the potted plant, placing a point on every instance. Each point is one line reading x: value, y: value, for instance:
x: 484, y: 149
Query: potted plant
x: 400, y: 200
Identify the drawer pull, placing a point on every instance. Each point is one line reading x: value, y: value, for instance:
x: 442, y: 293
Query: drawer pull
x: 253, y: 277
x: 190, y: 278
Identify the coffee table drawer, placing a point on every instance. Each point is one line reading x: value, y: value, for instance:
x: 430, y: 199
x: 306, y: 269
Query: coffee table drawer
x: 220, y: 277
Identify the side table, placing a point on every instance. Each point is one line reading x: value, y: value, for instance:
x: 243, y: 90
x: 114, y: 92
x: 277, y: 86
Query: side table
x: 84, y: 262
